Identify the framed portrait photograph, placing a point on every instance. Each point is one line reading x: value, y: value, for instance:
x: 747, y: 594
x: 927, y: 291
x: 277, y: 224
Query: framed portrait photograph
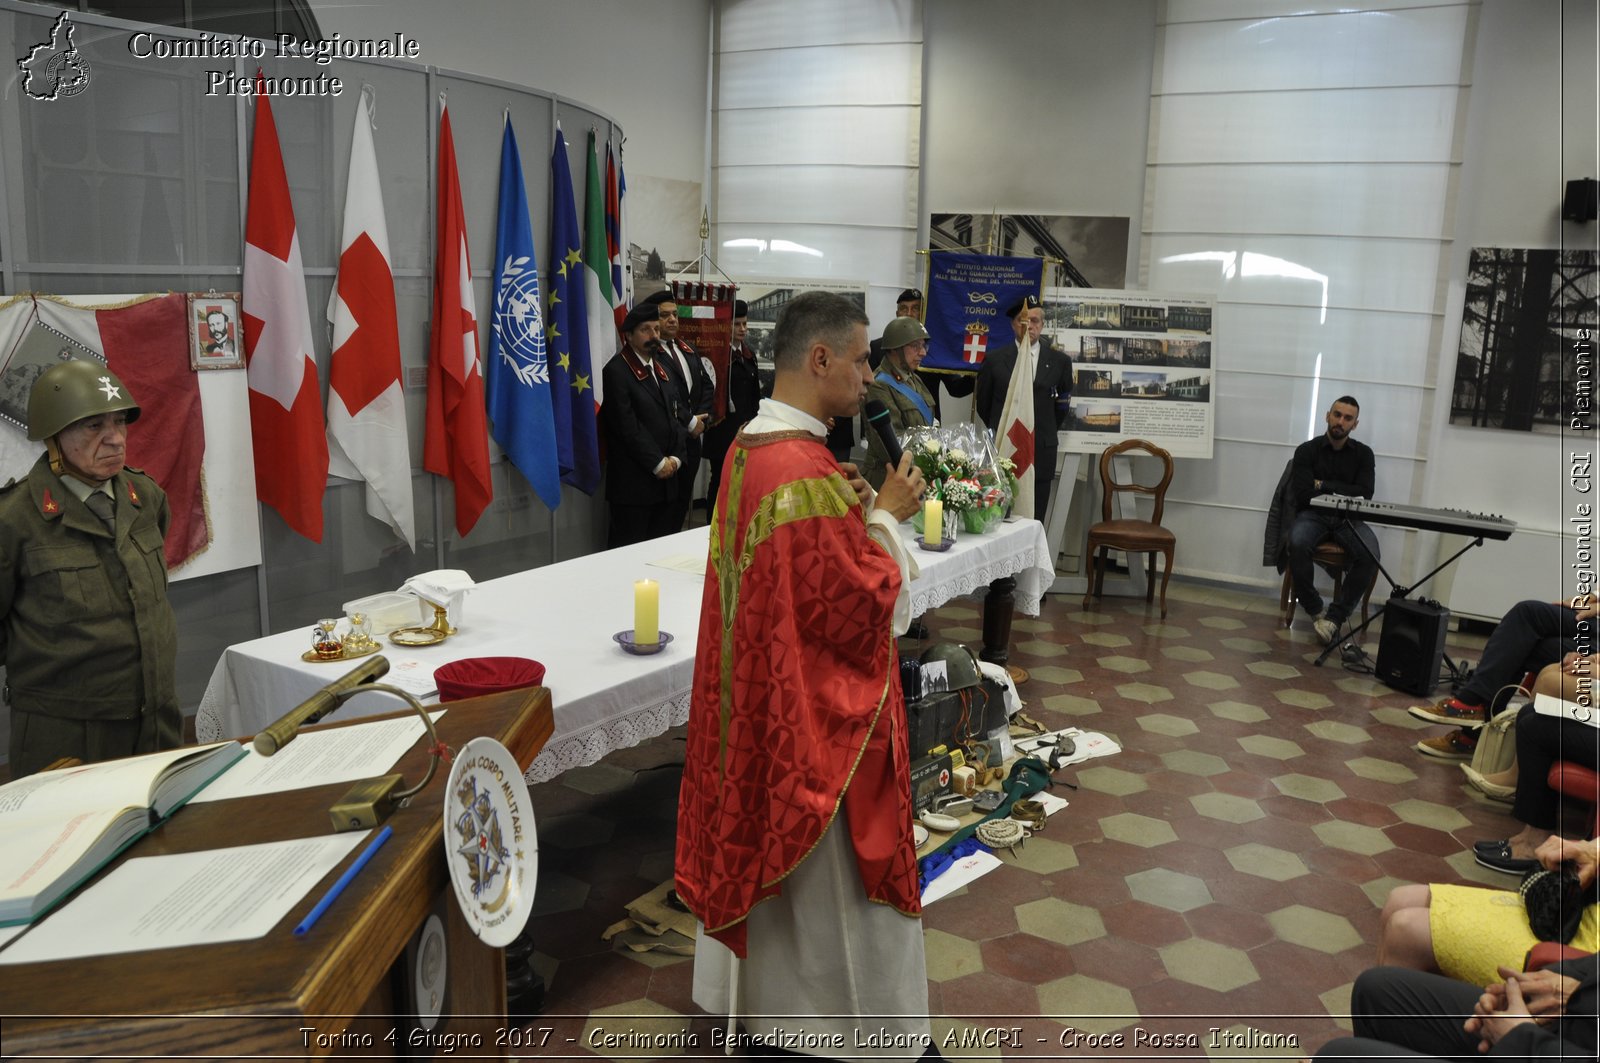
x: 216, y: 337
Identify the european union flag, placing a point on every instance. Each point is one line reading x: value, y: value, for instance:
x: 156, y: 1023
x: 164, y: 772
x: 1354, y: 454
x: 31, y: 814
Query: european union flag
x: 519, y: 366
x: 571, y: 378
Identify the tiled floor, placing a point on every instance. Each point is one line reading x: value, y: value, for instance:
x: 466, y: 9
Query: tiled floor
x: 1224, y: 871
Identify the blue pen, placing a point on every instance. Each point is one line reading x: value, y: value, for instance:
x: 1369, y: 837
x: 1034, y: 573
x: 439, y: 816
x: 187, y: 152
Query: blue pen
x: 344, y: 880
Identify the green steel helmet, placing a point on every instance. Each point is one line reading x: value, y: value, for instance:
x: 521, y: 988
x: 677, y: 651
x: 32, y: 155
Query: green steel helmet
x: 960, y: 665
x: 901, y: 331
x: 67, y: 393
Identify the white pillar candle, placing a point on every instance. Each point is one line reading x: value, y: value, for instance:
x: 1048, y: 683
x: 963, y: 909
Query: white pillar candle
x: 646, y: 612
x: 932, y: 521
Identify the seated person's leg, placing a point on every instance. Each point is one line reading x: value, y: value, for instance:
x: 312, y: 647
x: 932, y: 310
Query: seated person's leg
x: 1405, y: 935
x: 1305, y: 532
x: 1363, y: 566
x: 1415, y: 1011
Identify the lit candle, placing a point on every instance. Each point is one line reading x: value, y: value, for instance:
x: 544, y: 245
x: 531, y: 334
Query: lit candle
x: 646, y: 612
x: 932, y: 521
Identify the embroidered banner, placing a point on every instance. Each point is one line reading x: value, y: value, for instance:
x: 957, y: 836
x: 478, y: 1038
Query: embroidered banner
x: 705, y: 321
x: 967, y: 299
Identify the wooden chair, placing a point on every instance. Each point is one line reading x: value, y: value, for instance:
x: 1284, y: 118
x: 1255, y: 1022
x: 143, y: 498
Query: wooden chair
x: 1130, y: 536
x: 1332, y: 559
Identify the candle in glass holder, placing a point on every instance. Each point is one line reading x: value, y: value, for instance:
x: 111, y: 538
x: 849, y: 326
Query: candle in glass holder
x: 932, y: 521
x: 646, y: 612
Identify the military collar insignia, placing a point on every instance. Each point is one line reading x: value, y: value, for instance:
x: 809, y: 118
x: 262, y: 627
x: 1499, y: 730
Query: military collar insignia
x: 133, y: 493
x: 48, y: 505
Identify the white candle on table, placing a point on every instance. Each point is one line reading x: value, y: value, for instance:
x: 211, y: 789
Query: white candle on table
x: 646, y: 612
x: 932, y: 521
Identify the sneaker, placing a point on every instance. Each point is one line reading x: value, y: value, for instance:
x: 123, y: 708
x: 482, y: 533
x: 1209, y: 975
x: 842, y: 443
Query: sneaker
x: 1327, y: 630
x: 1452, y: 713
x: 1457, y: 745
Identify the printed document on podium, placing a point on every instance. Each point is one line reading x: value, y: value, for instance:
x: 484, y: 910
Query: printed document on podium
x: 182, y: 899
x: 316, y: 758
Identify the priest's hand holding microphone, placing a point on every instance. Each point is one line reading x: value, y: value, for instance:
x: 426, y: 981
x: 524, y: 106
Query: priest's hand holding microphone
x: 903, y: 486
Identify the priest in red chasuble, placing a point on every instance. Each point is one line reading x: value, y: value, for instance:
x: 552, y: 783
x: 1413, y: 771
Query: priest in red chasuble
x: 794, y: 821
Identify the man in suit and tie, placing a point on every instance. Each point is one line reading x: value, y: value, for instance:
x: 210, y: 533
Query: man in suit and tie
x: 645, y: 420
x: 744, y: 395
x: 1052, y: 387
x: 695, y: 384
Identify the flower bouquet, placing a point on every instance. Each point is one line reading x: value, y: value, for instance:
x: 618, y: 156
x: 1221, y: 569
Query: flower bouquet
x: 959, y: 464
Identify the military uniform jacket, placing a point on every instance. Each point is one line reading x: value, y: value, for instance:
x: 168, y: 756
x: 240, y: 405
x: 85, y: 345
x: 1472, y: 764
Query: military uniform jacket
x: 643, y: 420
x: 1052, y: 387
x: 86, y: 631
x: 903, y: 414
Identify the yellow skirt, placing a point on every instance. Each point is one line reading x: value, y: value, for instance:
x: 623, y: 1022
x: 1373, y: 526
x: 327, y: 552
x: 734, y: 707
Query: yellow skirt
x: 1475, y: 930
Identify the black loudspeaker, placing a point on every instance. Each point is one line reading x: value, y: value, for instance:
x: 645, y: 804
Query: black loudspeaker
x: 1412, y: 645
x: 1579, y: 202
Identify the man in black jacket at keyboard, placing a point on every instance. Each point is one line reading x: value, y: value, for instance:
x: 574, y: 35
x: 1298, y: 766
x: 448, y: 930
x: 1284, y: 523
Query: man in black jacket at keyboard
x: 1332, y: 464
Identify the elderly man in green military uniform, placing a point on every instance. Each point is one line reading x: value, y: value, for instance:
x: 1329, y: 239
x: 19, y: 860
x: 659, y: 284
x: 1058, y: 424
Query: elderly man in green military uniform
x: 897, y: 386
x: 87, y: 635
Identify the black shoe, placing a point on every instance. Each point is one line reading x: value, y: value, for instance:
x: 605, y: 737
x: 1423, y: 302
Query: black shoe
x: 1503, y: 861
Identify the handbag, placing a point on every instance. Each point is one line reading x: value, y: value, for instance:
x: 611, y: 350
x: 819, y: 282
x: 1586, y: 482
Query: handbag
x: 1555, y: 902
x: 1497, y: 743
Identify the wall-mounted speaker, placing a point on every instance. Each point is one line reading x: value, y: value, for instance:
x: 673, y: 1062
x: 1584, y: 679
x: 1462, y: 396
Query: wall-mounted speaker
x: 1579, y: 202
x: 1412, y: 645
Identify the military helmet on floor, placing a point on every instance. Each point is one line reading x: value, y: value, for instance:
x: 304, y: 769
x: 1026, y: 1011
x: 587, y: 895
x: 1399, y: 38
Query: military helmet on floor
x: 961, y: 667
x: 67, y: 393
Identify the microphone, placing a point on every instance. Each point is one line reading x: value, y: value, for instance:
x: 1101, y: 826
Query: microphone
x: 878, y: 418
x: 318, y: 705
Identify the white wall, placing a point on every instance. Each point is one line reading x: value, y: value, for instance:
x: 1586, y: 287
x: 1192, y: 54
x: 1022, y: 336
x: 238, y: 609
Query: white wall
x: 1530, y: 127
x: 644, y: 65
x: 1060, y: 86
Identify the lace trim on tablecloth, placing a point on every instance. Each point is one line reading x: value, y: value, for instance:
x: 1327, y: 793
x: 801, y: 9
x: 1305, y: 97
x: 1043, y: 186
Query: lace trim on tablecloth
x: 979, y: 579
x: 207, y: 728
x: 588, y: 748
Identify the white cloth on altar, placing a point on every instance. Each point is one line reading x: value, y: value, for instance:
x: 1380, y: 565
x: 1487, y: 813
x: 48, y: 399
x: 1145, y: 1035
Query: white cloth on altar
x: 824, y: 964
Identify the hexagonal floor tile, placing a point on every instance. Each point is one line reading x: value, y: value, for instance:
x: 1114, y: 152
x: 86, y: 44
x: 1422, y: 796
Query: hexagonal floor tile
x: 1304, y: 699
x: 1118, y: 663
x: 1148, y: 693
x: 1337, y: 731
x: 1205, y: 963
x: 558, y: 892
x: 1238, y: 711
x: 1337, y: 1003
x: 1071, y: 704
x: 639, y: 1023
x: 1060, y: 921
x: 1166, y: 631
x: 1187, y: 653
x: 1052, y: 674
x: 961, y: 634
x: 1211, y: 680
x: 1314, y: 929
x: 1307, y: 788
x: 1274, y: 669
x: 1088, y: 1004
x: 1267, y: 746
x: 1162, y: 723
x: 1193, y: 762
x: 1105, y: 638
x: 1353, y: 837
x: 1429, y: 814
x: 1394, y: 717
x: 1037, y: 647
x: 1222, y: 623
x: 1168, y: 889
x: 1103, y: 778
x: 1361, y: 686
x: 1380, y: 770
x: 1044, y: 856
x: 1264, y: 861
x: 1244, y: 645
x: 1378, y: 890
x: 1229, y: 808
x: 950, y: 956
x: 1134, y: 829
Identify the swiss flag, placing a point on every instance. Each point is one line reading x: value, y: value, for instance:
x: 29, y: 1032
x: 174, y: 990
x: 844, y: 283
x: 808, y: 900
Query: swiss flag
x: 291, y: 451
x: 367, y: 437
x: 456, y: 443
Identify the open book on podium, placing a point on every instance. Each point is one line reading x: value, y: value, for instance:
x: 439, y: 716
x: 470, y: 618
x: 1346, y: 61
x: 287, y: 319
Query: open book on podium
x: 58, y: 827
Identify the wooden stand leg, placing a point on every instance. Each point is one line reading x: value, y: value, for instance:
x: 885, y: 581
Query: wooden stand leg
x: 999, y: 606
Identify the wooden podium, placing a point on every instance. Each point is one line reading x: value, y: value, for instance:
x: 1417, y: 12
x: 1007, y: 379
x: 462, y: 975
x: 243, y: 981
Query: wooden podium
x: 339, y: 990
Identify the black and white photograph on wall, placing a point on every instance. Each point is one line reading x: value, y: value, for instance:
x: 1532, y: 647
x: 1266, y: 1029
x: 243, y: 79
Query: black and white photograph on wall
x: 214, y: 338
x: 1520, y: 343
x: 1083, y: 251
x: 767, y: 296
x: 39, y: 347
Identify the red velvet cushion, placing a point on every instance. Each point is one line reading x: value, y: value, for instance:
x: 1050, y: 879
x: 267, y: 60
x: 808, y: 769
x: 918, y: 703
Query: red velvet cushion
x: 471, y: 676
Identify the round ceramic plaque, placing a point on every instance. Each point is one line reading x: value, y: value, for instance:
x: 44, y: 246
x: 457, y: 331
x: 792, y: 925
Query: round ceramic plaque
x: 489, y: 841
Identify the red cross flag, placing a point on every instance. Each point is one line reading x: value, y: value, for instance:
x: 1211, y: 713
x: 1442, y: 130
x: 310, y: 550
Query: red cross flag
x: 1015, y: 438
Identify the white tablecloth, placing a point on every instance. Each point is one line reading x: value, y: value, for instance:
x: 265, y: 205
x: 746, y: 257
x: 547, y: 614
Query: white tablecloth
x: 564, y: 616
